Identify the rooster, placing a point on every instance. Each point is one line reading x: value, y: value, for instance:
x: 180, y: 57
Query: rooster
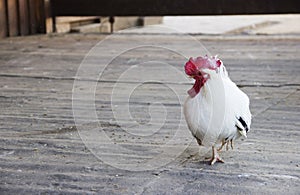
x: 216, y: 110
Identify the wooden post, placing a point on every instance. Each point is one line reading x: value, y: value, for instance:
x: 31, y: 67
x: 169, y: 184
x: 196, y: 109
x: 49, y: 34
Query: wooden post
x: 3, y: 19
x: 111, y: 21
x: 32, y: 17
x: 24, y: 17
x: 40, y: 16
x: 53, y: 16
x: 37, y: 16
x: 13, y: 17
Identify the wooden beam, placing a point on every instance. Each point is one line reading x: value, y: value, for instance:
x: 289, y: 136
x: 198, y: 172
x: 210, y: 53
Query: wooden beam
x: 37, y: 16
x: 13, y: 17
x: 171, y: 7
x: 40, y: 16
x: 24, y: 17
x: 32, y: 17
x: 3, y: 19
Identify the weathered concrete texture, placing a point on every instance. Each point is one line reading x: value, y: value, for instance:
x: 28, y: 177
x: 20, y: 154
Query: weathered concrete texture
x: 237, y: 24
x: 41, y: 151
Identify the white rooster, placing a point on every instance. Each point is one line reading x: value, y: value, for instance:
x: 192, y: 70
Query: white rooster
x: 216, y: 110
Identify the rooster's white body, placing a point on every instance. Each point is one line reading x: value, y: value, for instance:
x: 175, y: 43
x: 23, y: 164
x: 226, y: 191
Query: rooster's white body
x: 219, y: 112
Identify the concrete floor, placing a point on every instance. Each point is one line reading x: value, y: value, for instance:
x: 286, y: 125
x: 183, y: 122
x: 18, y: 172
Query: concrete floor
x: 236, y: 24
x: 41, y: 150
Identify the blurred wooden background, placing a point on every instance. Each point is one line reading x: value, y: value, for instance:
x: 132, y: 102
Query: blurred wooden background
x: 27, y: 17
x: 22, y: 17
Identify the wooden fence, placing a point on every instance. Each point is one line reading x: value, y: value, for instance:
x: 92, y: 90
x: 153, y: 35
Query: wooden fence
x: 22, y: 17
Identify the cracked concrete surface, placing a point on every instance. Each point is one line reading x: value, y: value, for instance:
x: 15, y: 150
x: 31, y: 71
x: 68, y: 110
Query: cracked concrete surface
x: 41, y: 151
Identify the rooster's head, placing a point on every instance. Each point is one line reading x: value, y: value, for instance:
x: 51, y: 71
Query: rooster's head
x: 198, y: 69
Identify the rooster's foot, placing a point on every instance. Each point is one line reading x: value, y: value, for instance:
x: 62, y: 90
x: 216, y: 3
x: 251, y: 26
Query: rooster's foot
x: 215, y: 156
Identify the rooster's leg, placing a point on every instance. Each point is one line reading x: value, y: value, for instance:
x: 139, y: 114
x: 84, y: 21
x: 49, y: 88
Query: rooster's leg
x: 221, y: 147
x: 227, y: 145
x: 215, y: 156
x: 231, y: 144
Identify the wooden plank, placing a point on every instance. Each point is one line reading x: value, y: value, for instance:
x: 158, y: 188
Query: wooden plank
x: 40, y: 16
x: 171, y: 7
x: 24, y: 17
x: 37, y: 16
x: 13, y: 17
x: 32, y: 16
x: 3, y: 19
